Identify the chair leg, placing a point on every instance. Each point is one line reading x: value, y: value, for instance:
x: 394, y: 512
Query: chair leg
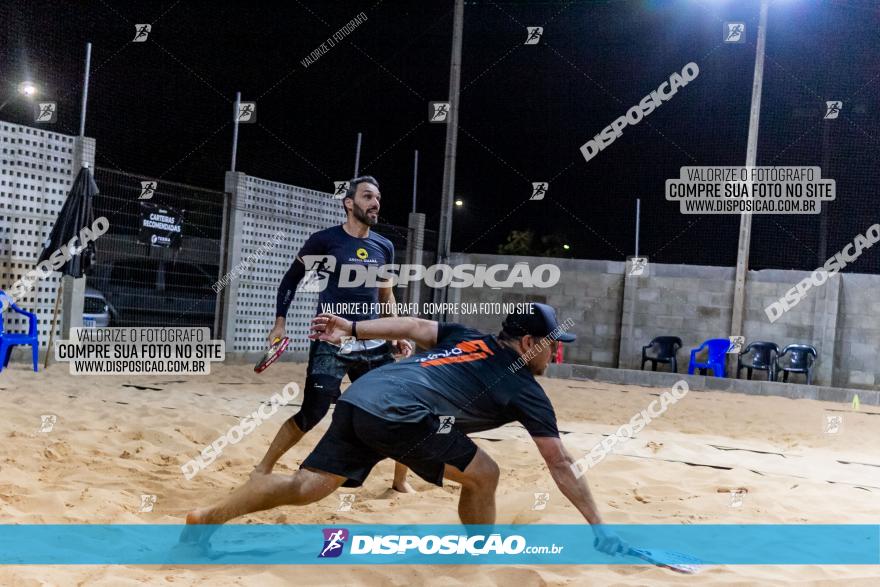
x: 749, y: 371
x: 809, y: 376
x: 785, y: 376
x: 674, y: 366
x: 36, y: 357
x: 5, y: 354
x: 653, y: 365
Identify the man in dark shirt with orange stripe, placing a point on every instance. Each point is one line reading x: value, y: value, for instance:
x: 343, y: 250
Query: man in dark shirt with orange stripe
x: 419, y: 412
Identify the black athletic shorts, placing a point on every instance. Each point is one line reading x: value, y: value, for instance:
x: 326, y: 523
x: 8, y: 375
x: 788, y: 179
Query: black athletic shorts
x: 357, y: 440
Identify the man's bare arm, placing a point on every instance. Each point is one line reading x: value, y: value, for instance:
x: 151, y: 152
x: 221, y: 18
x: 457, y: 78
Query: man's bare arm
x: 577, y: 491
x: 332, y: 328
x: 386, y: 297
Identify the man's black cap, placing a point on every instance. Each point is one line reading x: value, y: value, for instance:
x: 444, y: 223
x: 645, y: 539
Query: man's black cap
x: 536, y: 319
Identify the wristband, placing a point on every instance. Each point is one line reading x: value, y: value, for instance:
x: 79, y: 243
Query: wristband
x: 354, y: 330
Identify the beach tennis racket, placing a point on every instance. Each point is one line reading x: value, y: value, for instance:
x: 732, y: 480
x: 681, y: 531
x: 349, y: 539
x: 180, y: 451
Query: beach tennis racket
x: 279, y: 345
x: 675, y: 561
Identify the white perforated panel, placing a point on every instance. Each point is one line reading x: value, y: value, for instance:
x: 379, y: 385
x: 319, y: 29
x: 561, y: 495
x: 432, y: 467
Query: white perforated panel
x: 265, y: 208
x: 37, y: 168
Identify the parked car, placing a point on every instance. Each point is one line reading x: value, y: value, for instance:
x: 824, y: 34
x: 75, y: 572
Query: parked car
x: 97, y: 311
x: 153, y: 292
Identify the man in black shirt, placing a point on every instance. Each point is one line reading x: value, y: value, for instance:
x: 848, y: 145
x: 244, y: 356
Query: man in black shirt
x: 419, y: 411
x: 326, y: 252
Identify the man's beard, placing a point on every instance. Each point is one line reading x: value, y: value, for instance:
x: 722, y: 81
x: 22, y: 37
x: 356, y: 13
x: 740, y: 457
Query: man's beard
x: 363, y: 216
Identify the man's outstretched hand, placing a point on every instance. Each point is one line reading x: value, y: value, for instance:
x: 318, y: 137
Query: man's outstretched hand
x: 330, y: 328
x: 609, y: 542
x: 402, y: 347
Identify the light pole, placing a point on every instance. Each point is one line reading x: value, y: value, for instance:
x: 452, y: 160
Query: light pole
x: 745, y: 230
x: 745, y: 223
x: 445, y: 231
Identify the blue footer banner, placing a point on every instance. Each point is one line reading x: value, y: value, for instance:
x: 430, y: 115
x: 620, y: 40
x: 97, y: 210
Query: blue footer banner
x: 353, y: 544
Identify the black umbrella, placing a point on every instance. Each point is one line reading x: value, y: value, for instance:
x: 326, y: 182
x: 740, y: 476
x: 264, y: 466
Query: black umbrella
x: 76, y: 214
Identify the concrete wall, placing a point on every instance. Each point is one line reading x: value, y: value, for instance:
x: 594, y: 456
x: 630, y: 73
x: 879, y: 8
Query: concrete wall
x: 37, y: 169
x: 857, y: 340
x: 616, y: 313
x: 589, y: 292
x: 691, y: 302
x: 259, y: 208
x: 812, y: 321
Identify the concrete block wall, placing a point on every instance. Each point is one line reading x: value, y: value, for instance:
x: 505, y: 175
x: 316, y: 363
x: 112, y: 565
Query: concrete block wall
x: 589, y: 292
x: 37, y: 169
x: 857, y: 342
x: 258, y: 209
x: 812, y: 321
x: 616, y: 313
x: 688, y: 301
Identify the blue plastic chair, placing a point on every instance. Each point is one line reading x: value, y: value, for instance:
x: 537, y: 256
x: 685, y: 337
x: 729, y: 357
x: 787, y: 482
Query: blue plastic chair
x: 716, y: 360
x: 7, y: 340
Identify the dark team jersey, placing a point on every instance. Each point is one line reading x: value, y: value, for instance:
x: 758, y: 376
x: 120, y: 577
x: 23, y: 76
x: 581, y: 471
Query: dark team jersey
x: 344, y: 250
x: 466, y: 375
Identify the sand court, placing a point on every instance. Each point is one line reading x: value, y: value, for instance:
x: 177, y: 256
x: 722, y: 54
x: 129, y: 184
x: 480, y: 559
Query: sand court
x: 115, y: 440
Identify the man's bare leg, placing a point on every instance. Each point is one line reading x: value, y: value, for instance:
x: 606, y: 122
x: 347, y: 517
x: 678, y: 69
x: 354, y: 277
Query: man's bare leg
x: 400, y: 483
x: 288, y: 435
x: 263, y: 492
x: 476, y: 505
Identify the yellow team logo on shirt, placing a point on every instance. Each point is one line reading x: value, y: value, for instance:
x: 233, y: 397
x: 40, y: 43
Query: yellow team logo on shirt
x: 362, y: 254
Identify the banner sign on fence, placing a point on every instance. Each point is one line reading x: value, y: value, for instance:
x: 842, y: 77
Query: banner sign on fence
x: 160, y: 226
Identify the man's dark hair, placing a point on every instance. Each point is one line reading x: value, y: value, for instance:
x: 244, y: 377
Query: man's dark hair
x: 353, y: 186
x: 505, y: 336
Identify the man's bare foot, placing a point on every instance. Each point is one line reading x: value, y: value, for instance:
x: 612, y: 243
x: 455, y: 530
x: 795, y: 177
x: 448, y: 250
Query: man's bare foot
x: 260, y: 470
x: 199, y: 516
x: 403, y: 487
x: 197, y: 530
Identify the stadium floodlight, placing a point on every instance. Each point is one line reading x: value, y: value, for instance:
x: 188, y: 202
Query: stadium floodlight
x: 566, y: 247
x: 28, y: 89
x: 459, y: 203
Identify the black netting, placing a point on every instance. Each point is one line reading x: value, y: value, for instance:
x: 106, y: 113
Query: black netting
x: 157, y: 283
x: 163, y: 108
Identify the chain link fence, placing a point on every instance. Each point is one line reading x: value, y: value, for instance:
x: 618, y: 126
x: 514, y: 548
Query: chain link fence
x: 160, y: 257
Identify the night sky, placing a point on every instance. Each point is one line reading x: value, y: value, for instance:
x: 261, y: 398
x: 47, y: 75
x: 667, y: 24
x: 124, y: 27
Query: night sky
x: 163, y: 108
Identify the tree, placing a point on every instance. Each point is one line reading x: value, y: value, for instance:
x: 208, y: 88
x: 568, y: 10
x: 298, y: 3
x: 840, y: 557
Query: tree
x: 523, y: 242
x: 519, y: 242
x: 553, y: 246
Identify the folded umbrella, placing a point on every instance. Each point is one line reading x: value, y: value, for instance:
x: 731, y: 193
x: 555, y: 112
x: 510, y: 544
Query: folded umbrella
x: 75, y: 214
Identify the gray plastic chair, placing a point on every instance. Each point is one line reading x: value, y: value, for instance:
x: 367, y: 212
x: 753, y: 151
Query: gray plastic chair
x: 802, y: 357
